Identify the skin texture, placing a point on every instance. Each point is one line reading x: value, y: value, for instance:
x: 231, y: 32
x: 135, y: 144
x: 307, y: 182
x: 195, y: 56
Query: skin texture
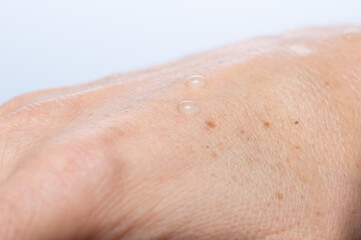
x: 274, y: 152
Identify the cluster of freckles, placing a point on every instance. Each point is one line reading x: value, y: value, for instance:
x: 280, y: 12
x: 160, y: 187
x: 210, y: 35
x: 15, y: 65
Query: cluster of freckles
x: 196, y: 82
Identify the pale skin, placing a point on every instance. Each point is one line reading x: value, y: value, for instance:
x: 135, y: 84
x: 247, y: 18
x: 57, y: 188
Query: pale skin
x: 274, y: 152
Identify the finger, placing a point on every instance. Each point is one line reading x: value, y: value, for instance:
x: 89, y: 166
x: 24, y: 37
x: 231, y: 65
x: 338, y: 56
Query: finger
x: 44, y: 200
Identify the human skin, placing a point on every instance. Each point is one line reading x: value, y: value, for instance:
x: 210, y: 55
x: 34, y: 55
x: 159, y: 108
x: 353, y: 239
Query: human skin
x: 274, y: 152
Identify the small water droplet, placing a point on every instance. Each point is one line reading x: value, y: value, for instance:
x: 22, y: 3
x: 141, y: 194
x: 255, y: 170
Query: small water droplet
x: 300, y: 50
x: 352, y: 34
x: 196, y: 81
x: 188, y: 107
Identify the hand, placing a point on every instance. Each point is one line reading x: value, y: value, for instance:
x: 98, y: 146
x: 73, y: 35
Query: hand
x: 273, y: 153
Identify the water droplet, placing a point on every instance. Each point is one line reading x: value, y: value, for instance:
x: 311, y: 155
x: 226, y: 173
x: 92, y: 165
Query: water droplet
x: 188, y: 107
x: 300, y: 50
x: 352, y: 34
x: 196, y: 81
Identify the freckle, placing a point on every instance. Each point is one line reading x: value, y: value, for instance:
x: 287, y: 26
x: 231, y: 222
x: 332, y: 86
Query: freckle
x: 242, y: 131
x: 207, y: 146
x: 297, y: 122
x: 220, y: 144
x: 117, y: 131
x: 266, y: 124
x: 297, y: 147
x: 213, y: 175
x: 287, y: 159
x: 353, y: 212
x: 318, y: 213
x: 211, y: 124
x: 327, y: 84
x: 279, y: 195
x: 248, y: 138
x: 357, y: 165
x: 234, y: 178
x: 191, y: 149
x: 214, y: 154
x: 303, y: 179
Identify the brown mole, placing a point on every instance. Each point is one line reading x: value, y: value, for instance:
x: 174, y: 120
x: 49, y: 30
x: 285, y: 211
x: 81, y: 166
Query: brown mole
x: 211, y: 124
x: 279, y: 195
x: 266, y: 124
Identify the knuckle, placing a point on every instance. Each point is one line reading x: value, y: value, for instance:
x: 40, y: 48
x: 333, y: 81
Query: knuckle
x: 12, y: 103
x: 27, y: 98
x: 85, y: 149
x: 42, y: 113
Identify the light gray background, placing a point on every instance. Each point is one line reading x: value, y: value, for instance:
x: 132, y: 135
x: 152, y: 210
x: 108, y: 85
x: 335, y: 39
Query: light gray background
x: 47, y: 43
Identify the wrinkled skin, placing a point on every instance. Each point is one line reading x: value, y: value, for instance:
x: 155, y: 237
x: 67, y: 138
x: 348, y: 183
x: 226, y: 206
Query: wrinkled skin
x: 274, y: 152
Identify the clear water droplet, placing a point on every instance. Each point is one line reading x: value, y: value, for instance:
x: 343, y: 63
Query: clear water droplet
x: 300, y: 50
x: 352, y: 34
x: 188, y: 107
x: 196, y: 81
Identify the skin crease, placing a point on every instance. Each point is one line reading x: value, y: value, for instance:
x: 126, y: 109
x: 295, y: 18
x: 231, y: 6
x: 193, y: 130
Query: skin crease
x: 274, y: 152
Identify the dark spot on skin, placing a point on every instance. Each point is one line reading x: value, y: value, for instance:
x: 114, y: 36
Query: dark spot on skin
x: 210, y: 124
x: 241, y: 131
x: 234, y: 178
x: 357, y: 165
x: 117, y: 132
x: 297, y: 147
x: 266, y: 124
x: 297, y: 122
x: 318, y: 213
x: 248, y: 138
x: 279, y: 195
x: 353, y: 212
x: 287, y: 159
x: 213, y: 175
x: 207, y: 146
x: 214, y: 154
x: 326, y: 84
x: 191, y: 150
x: 303, y: 179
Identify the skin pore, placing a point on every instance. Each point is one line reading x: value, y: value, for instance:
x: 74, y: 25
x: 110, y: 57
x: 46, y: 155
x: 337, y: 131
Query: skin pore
x: 272, y: 151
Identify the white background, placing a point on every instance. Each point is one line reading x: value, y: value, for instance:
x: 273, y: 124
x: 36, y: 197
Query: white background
x: 47, y: 43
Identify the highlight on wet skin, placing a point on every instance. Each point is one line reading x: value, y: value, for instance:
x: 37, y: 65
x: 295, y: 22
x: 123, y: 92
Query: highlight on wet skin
x: 352, y: 33
x: 300, y: 50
